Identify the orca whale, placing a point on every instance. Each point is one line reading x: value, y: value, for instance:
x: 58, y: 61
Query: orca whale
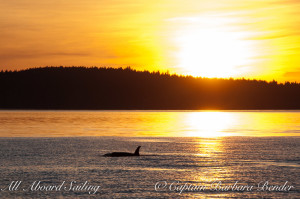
x: 121, y: 154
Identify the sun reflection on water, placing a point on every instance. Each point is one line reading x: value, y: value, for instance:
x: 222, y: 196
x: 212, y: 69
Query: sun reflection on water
x: 208, y: 156
x: 209, y: 124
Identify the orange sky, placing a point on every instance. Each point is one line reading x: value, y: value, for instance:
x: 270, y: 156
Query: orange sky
x: 212, y: 38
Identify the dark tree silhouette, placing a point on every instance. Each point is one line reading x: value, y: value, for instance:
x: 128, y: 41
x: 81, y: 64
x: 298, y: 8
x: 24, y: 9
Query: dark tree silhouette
x: 118, y: 88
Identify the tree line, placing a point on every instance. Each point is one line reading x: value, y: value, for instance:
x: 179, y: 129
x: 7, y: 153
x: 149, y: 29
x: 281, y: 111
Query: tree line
x: 125, y: 88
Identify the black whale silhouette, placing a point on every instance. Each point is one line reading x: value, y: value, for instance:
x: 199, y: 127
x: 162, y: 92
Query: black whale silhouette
x: 120, y: 154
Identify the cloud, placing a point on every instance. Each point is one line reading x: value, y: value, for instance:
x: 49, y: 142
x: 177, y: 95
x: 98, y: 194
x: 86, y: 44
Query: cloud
x: 22, y: 54
x: 266, y: 36
x: 284, y: 2
x: 295, y: 73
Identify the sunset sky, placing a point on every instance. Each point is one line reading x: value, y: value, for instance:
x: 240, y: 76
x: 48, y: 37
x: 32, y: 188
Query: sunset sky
x: 211, y: 38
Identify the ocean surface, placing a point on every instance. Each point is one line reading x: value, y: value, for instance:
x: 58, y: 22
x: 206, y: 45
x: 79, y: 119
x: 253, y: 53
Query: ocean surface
x: 184, y: 154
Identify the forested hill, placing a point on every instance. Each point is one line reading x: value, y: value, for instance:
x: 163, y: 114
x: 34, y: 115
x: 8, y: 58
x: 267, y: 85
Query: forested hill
x: 108, y: 88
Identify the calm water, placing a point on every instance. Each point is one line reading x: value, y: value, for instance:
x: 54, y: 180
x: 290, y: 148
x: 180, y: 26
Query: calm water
x: 192, y: 148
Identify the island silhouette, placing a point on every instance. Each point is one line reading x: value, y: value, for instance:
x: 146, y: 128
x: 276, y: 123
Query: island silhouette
x: 93, y: 88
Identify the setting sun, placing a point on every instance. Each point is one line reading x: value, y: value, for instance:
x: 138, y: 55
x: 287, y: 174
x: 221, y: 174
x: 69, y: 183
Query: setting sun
x: 208, y: 51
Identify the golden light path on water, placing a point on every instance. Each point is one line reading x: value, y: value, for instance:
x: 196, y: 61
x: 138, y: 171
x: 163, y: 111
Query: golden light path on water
x: 209, y: 150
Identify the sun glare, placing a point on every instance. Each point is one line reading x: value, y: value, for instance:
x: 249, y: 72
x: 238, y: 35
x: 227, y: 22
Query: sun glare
x: 212, y: 51
x: 209, y: 124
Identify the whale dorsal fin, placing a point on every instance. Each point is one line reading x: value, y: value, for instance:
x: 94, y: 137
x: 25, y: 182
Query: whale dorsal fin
x: 137, y: 151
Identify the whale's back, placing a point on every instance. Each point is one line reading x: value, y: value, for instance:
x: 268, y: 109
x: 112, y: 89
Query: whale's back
x: 121, y: 154
x: 118, y: 154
